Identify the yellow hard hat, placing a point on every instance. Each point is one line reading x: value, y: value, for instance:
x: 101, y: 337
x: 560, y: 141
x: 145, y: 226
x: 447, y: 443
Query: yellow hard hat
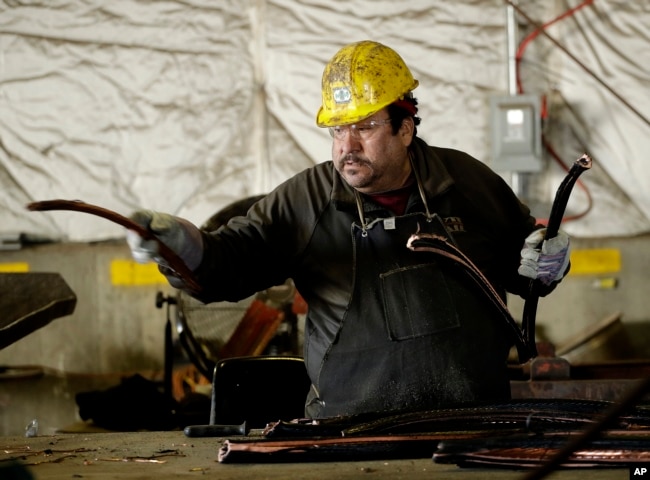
x: 361, y: 79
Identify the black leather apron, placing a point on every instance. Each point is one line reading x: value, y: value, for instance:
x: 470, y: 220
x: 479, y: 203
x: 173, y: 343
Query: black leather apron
x: 417, y: 334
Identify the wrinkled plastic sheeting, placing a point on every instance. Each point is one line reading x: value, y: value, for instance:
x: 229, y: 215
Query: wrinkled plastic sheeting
x: 124, y: 104
x: 184, y: 107
x: 607, y: 111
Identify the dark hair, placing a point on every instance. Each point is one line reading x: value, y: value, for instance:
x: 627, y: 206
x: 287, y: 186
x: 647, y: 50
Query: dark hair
x: 397, y: 114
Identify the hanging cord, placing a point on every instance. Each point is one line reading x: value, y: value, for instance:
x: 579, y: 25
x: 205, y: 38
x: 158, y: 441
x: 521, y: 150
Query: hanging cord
x: 540, y: 29
x: 547, y: 144
x: 543, y: 31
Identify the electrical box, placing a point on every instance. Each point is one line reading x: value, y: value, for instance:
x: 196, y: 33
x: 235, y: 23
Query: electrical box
x: 516, y: 130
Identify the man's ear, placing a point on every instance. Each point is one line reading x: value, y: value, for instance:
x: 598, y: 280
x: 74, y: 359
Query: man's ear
x: 406, y: 131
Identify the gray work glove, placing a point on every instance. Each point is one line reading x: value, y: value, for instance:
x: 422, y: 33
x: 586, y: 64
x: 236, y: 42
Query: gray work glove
x: 178, y: 234
x: 549, y: 263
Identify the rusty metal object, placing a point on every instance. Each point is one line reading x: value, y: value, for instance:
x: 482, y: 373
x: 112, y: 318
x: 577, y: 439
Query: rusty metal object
x: 327, y: 449
x: 606, y: 421
x: 439, y: 245
x: 520, y: 415
x: 581, y: 165
x: 30, y: 301
x: 614, y: 449
x: 520, y: 426
x: 174, y: 262
x: 549, y: 368
x: 546, y: 377
x: 608, y: 389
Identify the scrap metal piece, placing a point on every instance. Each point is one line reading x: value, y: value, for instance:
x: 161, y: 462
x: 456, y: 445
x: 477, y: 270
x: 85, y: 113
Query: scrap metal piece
x: 174, y: 262
x: 30, y: 301
x: 439, y: 245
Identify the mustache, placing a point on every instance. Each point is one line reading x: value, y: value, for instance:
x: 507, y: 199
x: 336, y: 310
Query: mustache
x: 352, y: 158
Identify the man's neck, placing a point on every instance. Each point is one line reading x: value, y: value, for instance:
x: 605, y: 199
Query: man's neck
x: 394, y: 200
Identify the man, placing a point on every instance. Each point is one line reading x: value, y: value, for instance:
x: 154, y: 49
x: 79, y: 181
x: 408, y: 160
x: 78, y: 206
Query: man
x: 388, y: 328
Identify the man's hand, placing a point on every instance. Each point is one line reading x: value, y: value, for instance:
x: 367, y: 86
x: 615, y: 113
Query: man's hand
x: 178, y: 234
x: 548, y: 264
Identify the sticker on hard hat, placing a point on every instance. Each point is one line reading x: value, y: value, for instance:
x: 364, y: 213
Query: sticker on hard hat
x: 342, y: 95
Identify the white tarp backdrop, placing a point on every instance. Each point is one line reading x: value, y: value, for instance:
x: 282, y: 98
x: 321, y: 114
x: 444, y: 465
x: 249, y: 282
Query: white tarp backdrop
x: 185, y: 106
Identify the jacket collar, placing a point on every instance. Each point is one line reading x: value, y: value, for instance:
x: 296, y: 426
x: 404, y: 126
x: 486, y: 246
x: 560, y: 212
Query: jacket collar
x: 431, y: 169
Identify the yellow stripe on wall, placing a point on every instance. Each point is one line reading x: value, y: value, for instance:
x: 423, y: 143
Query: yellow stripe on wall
x: 16, y: 267
x: 595, y: 261
x: 128, y: 272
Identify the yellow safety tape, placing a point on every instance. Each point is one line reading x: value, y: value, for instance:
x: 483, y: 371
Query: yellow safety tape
x: 595, y: 261
x: 128, y: 272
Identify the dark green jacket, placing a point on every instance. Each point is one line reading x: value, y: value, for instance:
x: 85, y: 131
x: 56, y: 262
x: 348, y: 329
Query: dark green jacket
x: 302, y: 230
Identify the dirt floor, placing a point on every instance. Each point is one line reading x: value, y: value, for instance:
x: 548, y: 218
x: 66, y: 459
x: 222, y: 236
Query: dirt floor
x: 167, y: 455
x: 67, y: 448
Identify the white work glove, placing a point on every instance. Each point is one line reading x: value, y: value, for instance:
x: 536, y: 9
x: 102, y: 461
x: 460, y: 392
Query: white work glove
x: 178, y: 234
x: 548, y: 264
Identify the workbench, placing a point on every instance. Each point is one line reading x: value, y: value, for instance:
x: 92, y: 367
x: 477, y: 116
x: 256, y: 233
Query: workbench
x: 166, y: 455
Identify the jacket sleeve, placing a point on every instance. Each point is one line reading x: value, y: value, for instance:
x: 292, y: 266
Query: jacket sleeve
x: 254, y: 252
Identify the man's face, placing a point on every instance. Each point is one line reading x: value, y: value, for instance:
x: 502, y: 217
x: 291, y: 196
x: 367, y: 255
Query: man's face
x: 370, y: 158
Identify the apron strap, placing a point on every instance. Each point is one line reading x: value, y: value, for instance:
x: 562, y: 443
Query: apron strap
x: 362, y: 217
x: 418, y: 181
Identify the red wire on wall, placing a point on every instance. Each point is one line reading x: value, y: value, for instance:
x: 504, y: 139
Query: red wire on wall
x: 547, y: 145
x: 524, y: 43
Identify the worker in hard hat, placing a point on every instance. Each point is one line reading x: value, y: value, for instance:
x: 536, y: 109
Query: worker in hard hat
x: 389, y: 328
